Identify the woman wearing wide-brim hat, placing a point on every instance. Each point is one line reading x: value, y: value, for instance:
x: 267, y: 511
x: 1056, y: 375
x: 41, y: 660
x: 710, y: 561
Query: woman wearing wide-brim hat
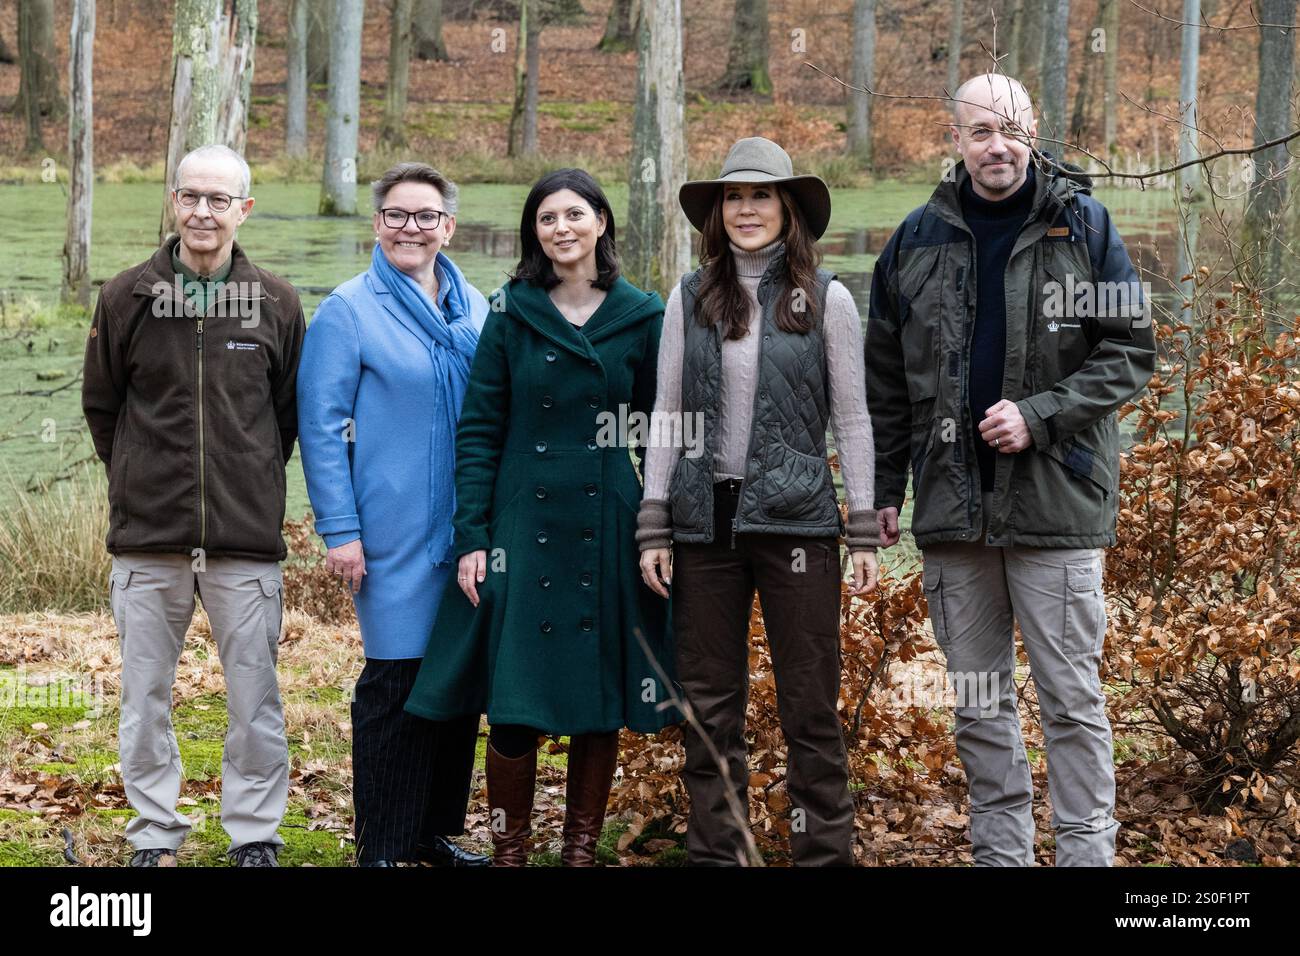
x: 763, y: 350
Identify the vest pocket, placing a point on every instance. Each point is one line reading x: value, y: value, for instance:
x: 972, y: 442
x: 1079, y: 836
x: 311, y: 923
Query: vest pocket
x: 797, y: 488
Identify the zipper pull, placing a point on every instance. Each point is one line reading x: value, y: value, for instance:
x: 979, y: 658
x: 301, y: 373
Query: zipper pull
x: 198, y: 336
x: 733, y: 534
x: 961, y: 277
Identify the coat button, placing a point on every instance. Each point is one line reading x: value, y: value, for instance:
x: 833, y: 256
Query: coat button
x: 547, y: 401
x: 544, y: 581
x: 550, y: 355
x: 541, y: 446
x: 594, y: 401
x: 541, y: 492
x: 590, y: 490
x: 585, y: 578
x: 762, y: 393
x: 587, y: 624
x: 541, y: 537
x: 588, y: 534
x: 591, y: 444
x: 546, y: 627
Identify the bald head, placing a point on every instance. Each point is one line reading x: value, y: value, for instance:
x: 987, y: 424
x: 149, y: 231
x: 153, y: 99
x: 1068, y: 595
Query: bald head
x: 996, y: 93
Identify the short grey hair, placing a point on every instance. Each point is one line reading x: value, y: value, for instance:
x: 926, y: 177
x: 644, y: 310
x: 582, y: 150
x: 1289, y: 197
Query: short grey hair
x: 217, y: 151
x: 415, y: 173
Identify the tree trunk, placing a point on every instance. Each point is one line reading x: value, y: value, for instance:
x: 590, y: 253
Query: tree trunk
x: 320, y: 15
x: 748, y: 55
x: 1109, y: 14
x: 338, y: 194
x: 656, y: 248
x: 532, y: 79
x: 620, y: 27
x: 1189, y: 179
x: 81, y: 155
x: 1013, y: 25
x: 515, y: 133
x: 1029, y: 45
x: 862, y: 76
x: 6, y: 54
x: 954, y: 46
x: 1056, y: 62
x: 212, y: 75
x: 38, y: 76
x: 392, y: 133
x: 1272, y: 119
x: 1084, y: 93
x: 426, y: 31
x: 295, y: 126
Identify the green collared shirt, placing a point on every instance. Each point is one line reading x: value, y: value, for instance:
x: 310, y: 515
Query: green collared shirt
x: 200, y: 291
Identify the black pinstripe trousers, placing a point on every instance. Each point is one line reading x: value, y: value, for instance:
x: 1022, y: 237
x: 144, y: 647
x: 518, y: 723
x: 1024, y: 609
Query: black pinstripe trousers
x: 410, y: 776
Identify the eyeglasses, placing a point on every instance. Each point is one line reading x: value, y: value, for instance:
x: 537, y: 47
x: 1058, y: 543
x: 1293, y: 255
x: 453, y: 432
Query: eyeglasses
x: 217, y: 202
x: 425, y: 219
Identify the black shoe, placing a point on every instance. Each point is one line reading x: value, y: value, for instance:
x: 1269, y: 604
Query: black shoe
x: 154, y: 856
x: 254, y: 854
x: 442, y: 852
x: 379, y: 863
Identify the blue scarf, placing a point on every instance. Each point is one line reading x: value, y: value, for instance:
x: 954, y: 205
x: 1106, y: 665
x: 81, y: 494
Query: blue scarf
x: 452, y: 341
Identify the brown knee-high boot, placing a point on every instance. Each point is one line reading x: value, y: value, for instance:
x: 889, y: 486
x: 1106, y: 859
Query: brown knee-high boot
x: 510, y: 786
x: 592, y: 759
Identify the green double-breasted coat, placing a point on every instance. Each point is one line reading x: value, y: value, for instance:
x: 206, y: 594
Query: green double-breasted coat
x: 547, y: 488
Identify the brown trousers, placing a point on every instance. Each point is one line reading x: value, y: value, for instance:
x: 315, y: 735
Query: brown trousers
x: 798, y: 582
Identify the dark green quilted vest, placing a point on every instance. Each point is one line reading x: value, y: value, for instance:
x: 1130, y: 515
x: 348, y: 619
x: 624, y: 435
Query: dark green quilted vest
x: 788, y: 487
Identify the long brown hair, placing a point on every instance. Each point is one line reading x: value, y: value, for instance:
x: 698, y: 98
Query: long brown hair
x: 721, y: 299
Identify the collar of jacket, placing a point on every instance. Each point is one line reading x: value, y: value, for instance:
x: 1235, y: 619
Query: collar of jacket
x: 625, y: 305
x: 386, y: 298
x: 243, y: 284
x: 1055, y: 185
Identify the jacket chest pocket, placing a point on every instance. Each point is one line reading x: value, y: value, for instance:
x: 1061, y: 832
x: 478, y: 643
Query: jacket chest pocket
x: 1062, y: 314
x: 921, y: 301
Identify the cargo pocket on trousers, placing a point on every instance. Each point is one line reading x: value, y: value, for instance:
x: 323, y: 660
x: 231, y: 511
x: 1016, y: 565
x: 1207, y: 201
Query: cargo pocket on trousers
x: 932, y: 581
x: 273, y: 610
x: 119, y: 581
x: 1085, y: 610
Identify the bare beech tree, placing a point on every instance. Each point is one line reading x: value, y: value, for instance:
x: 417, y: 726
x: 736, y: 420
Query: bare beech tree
x: 338, y: 196
x: 38, y: 77
x: 1272, y: 118
x: 212, y: 75
x: 295, y: 125
x: 747, y: 55
x: 1056, y: 65
x: 426, y: 31
x: 81, y: 155
x: 863, y: 76
x: 1109, y: 16
x: 656, y: 246
x: 954, y: 45
x: 620, y: 27
x: 393, y: 131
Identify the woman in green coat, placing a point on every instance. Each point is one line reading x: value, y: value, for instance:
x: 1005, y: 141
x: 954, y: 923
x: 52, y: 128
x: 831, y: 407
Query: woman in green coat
x: 540, y: 631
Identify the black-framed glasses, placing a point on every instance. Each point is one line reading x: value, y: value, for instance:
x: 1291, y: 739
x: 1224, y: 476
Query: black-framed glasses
x: 217, y: 202
x: 425, y: 219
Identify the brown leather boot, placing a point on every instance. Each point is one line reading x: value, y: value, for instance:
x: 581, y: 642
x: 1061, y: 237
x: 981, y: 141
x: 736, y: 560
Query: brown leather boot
x: 510, y: 786
x: 592, y: 759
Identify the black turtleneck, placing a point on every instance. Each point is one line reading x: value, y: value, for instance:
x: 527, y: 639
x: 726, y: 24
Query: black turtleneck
x: 995, y: 226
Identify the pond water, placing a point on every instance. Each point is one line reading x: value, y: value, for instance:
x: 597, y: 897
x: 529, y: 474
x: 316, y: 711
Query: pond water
x: 284, y: 234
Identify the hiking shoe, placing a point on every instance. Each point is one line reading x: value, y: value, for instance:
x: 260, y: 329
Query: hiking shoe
x: 254, y: 854
x: 154, y: 856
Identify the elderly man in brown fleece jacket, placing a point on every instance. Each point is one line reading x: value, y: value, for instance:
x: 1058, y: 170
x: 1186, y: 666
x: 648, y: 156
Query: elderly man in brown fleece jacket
x: 189, y: 393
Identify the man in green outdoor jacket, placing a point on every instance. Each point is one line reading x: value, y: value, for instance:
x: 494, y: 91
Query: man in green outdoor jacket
x: 1006, y: 328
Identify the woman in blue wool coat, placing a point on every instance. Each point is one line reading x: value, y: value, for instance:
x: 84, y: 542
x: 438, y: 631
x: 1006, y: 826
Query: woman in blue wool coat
x: 384, y: 367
